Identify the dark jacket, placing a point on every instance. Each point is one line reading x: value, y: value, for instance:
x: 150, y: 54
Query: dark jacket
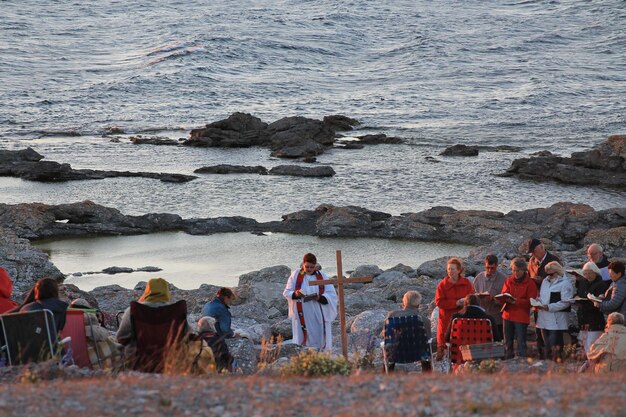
x: 217, y: 343
x: 537, y: 268
x: 475, y: 312
x: 589, y: 317
x: 217, y: 309
x: 615, y: 298
x: 55, y: 305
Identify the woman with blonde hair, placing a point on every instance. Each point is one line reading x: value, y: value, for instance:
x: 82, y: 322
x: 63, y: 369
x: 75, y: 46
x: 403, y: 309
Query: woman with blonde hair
x: 553, y: 309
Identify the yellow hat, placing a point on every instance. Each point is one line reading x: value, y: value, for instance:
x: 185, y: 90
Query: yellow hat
x: 156, y: 290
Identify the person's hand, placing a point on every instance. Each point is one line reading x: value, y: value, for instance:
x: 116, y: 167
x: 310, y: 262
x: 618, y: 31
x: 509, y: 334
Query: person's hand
x: 298, y: 293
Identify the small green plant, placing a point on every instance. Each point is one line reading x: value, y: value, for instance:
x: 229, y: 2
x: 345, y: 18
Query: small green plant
x: 314, y: 363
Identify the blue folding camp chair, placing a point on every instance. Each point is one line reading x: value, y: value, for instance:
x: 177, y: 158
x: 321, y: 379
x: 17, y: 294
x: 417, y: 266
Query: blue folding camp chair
x: 405, y: 341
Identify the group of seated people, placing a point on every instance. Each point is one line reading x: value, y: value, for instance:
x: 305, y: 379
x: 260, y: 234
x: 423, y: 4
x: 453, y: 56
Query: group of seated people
x: 206, y: 348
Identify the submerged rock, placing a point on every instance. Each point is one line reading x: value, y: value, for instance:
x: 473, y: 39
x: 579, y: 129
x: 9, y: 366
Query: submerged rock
x: 153, y: 140
x: 340, y: 123
x: 460, y: 150
x: 298, y: 171
x: 232, y: 169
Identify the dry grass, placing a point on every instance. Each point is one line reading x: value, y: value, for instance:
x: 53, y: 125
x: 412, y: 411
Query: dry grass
x: 362, y: 395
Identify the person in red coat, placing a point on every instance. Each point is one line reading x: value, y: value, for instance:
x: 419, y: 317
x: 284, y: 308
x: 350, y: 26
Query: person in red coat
x: 516, y: 307
x: 449, y: 297
x: 6, y: 289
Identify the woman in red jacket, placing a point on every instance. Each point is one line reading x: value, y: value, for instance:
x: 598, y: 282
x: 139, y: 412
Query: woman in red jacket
x: 449, y: 298
x: 6, y: 289
x: 516, y: 309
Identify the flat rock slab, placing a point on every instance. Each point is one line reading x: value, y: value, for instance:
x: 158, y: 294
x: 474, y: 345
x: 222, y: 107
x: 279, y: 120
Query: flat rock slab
x: 232, y: 169
x: 298, y: 171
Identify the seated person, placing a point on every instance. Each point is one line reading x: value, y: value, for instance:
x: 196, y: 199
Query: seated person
x: 473, y: 310
x: 410, y: 307
x: 156, y: 294
x: 6, y: 289
x: 108, y: 354
x: 223, y: 358
x: 219, y: 309
x: 608, y: 353
x: 45, y: 295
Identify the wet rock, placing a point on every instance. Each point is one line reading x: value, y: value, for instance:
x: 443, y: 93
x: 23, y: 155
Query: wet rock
x: 239, y: 130
x: 604, y: 165
x: 27, y: 165
x: 114, y: 130
x: 351, y: 145
x: 153, y: 140
x: 460, y: 150
x: 117, y: 270
x: 379, y: 139
x: 149, y: 269
x: 232, y: 169
x: 298, y: 171
x: 297, y: 137
x: 340, y: 123
x: 432, y: 159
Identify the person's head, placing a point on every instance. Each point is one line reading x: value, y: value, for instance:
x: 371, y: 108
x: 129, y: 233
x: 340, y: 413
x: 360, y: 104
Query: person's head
x: 157, y: 290
x: 615, y: 318
x: 309, y: 263
x: 616, y: 270
x: 519, y: 268
x: 46, y: 288
x: 595, y: 252
x: 206, y: 324
x: 227, y: 295
x: 80, y: 303
x: 491, y: 264
x: 411, y: 299
x: 455, y: 267
x: 471, y: 300
x: 591, y: 272
x: 536, y: 248
x: 554, y: 270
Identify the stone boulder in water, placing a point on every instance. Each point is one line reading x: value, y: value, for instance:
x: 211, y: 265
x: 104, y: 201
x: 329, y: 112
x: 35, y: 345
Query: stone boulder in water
x: 239, y: 130
x: 298, y: 171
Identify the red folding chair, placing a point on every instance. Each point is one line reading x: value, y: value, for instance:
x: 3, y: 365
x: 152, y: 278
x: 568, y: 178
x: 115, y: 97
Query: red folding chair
x: 468, y: 332
x: 156, y: 329
x: 75, y: 328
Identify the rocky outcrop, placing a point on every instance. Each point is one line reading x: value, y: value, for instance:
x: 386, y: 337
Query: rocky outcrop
x: 239, y: 130
x: 298, y: 171
x: 27, y: 164
x: 340, y: 123
x: 296, y: 137
x: 460, y: 150
x: 605, y: 165
x: 232, y: 169
x: 379, y: 139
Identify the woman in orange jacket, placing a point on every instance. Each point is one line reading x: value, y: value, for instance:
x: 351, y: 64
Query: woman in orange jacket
x: 449, y: 298
x: 516, y: 309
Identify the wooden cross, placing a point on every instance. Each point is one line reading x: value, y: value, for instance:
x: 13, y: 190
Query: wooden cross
x: 339, y: 282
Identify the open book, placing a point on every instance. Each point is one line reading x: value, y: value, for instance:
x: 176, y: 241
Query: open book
x: 536, y: 302
x: 483, y: 294
x: 577, y: 298
x: 597, y: 299
x: 504, y: 297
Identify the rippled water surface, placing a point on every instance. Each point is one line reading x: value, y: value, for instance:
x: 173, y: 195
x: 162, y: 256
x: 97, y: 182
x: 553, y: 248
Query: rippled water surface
x: 530, y: 74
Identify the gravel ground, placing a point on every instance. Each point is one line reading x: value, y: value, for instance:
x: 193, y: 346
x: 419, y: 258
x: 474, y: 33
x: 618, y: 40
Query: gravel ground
x: 365, y: 394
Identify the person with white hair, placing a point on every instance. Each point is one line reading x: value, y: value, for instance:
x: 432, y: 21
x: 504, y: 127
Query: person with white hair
x: 595, y: 253
x: 208, y: 333
x: 590, y: 319
x: 608, y: 353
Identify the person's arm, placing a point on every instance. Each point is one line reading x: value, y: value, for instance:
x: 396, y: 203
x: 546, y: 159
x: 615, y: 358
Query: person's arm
x: 524, y: 300
x: 223, y: 321
x: 289, y: 293
x: 617, y: 298
x: 443, y: 301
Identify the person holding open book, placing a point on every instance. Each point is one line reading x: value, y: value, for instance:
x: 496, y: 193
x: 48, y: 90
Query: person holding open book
x: 553, y: 307
x: 517, y: 291
x: 488, y: 284
x: 615, y: 297
x: 590, y: 318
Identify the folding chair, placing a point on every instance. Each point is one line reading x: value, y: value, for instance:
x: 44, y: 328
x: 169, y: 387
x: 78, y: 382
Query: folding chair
x: 156, y: 329
x: 75, y: 328
x: 468, y: 332
x: 405, y: 341
x: 30, y: 337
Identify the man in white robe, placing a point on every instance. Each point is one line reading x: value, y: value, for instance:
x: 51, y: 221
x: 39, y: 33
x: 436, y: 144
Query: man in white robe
x: 312, y: 308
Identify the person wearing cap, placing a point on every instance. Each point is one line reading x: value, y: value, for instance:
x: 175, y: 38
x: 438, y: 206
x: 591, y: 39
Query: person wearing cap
x: 590, y: 318
x: 6, y: 290
x: 312, y: 308
x: 615, y: 296
x: 555, y: 297
x: 595, y: 253
x: 156, y: 294
x: 539, y: 258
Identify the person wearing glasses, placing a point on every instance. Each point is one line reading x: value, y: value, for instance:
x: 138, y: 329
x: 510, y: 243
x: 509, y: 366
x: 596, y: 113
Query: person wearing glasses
x: 553, y: 309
